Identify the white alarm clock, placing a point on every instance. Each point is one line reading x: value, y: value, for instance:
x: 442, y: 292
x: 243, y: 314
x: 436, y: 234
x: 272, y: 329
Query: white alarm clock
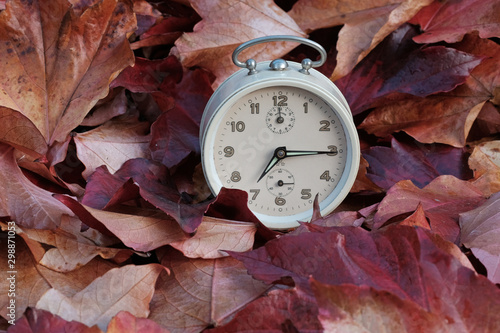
x: 282, y: 132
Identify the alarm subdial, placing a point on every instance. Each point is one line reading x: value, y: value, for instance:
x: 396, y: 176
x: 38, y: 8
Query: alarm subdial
x: 280, y: 119
x: 280, y: 182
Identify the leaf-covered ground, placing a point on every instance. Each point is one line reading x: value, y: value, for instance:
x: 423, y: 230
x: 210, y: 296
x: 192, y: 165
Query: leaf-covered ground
x: 100, y: 176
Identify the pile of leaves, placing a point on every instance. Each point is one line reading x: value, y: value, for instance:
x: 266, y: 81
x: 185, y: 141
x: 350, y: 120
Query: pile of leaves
x: 100, y: 105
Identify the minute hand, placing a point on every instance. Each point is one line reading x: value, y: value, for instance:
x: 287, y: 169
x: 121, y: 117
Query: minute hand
x: 290, y: 153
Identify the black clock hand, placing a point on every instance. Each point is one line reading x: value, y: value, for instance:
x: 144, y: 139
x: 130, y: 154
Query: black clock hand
x: 279, y: 154
x: 291, y: 153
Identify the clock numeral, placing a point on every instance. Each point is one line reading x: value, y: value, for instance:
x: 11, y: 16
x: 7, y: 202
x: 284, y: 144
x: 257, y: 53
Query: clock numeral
x: 237, y: 126
x: 228, y: 151
x: 235, y: 176
x: 325, y: 176
x: 333, y: 150
x: 325, y: 127
x: 306, y: 107
x: 280, y: 201
x: 254, y: 108
x: 306, y: 193
x: 255, y: 193
x: 280, y: 100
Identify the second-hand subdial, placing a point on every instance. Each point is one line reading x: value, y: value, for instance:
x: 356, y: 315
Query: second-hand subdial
x: 280, y: 119
x: 280, y: 182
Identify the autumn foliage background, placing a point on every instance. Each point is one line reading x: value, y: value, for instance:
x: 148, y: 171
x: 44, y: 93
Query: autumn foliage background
x: 100, y: 105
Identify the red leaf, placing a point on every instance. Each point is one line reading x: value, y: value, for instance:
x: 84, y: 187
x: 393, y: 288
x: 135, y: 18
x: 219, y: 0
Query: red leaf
x: 480, y: 231
x: 278, y: 311
x: 41, y: 321
x: 416, y: 162
x: 443, y: 200
x: 398, y: 65
x: 451, y: 20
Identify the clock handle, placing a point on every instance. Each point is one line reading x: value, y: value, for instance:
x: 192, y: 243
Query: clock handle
x: 250, y: 64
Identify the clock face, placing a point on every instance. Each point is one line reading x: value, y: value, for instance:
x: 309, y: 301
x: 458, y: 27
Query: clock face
x: 283, y: 146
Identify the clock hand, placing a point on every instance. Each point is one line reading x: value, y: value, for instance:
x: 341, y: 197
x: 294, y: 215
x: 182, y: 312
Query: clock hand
x: 291, y: 153
x: 279, y: 154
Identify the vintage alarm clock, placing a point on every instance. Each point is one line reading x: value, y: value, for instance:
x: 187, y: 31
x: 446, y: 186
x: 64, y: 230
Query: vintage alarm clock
x: 282, y: 132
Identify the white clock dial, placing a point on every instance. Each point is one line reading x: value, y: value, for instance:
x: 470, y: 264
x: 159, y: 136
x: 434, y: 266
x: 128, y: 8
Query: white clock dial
x: 283, y: 145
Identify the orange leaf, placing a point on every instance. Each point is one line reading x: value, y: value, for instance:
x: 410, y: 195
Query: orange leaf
x: 58, y: 63
x: 128, y: 288
x: 216, y: 36
x: 124, y: 322
x: 485, y: 162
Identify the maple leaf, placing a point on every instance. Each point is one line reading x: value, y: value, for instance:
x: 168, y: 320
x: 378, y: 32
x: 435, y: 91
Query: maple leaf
x: 104, y: 298
x: 201, y: 292
x: 479, y: 232
x: 58, y: 63
x: 213, y: 40
x: 451, y: 20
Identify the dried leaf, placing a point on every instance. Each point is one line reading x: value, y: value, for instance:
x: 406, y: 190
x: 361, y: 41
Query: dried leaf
x: 480, y: 230
x: 201, y: 292
x: 128, y: 288
x: 485, y: 162
x: 451, y: 20
x: 59, y: 62
x: 41, y: 321
x: 112, y: 144
x: 124, y: 322
x: 216, y: 236
x: 443, y: 200
x: 26, y: 203
x: 213, y: 40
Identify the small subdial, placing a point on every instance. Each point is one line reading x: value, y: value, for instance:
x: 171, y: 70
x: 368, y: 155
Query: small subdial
x: 280, y: 119
x: 280, y: 182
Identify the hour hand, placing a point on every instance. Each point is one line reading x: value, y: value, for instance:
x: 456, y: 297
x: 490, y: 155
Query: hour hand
x: 279, y: 154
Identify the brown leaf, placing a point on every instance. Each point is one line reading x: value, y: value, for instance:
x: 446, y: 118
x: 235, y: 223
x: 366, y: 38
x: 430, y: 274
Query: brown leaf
x: 124, y: 322
x: 128, y: 288
x: 70, y: 247
x: 26, y: 203
x: 58, y: 62
x: 215, y: 236
x: 350, y: 308
x: 485, y: 162
x: 214, y: 39
x: 480, y: 229
x: 201, y: 292
x: 451, y: 20
x: 366, y: 24
x: 417, y: 219
x: 443, y: 200
x: 112, y: 144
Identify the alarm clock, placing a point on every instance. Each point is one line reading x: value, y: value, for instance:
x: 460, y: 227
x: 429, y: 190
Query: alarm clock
x: 282, y: 132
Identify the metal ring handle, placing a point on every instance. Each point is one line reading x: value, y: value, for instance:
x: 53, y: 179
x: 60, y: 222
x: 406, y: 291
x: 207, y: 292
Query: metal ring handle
x: 279, y: 38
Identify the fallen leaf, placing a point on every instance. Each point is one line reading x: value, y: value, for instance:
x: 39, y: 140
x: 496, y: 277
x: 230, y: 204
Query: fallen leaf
x: 403, y: 261
x: 480, y: 229
x: 41, y: 321
x: 400, y: 66
x: 113, y: 105
x: 112, y: 144
x: 485, y: 162
x: 350, y: 308
x: 124, y: 322
x: 278, y: 311
x: 70, y: 248
x: 449, y: 21
x: 127, y: 288
x: 443, y: 200
x: 216, y: 236
x: 201, y: 292
x: 213, y: 40
x: 417, y: 219
x: 59, y: 63
x: 27, y: 204
x: 416, y: 162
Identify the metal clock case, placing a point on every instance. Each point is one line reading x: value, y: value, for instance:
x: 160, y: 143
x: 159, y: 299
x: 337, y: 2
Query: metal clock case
x: 284, y: 133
